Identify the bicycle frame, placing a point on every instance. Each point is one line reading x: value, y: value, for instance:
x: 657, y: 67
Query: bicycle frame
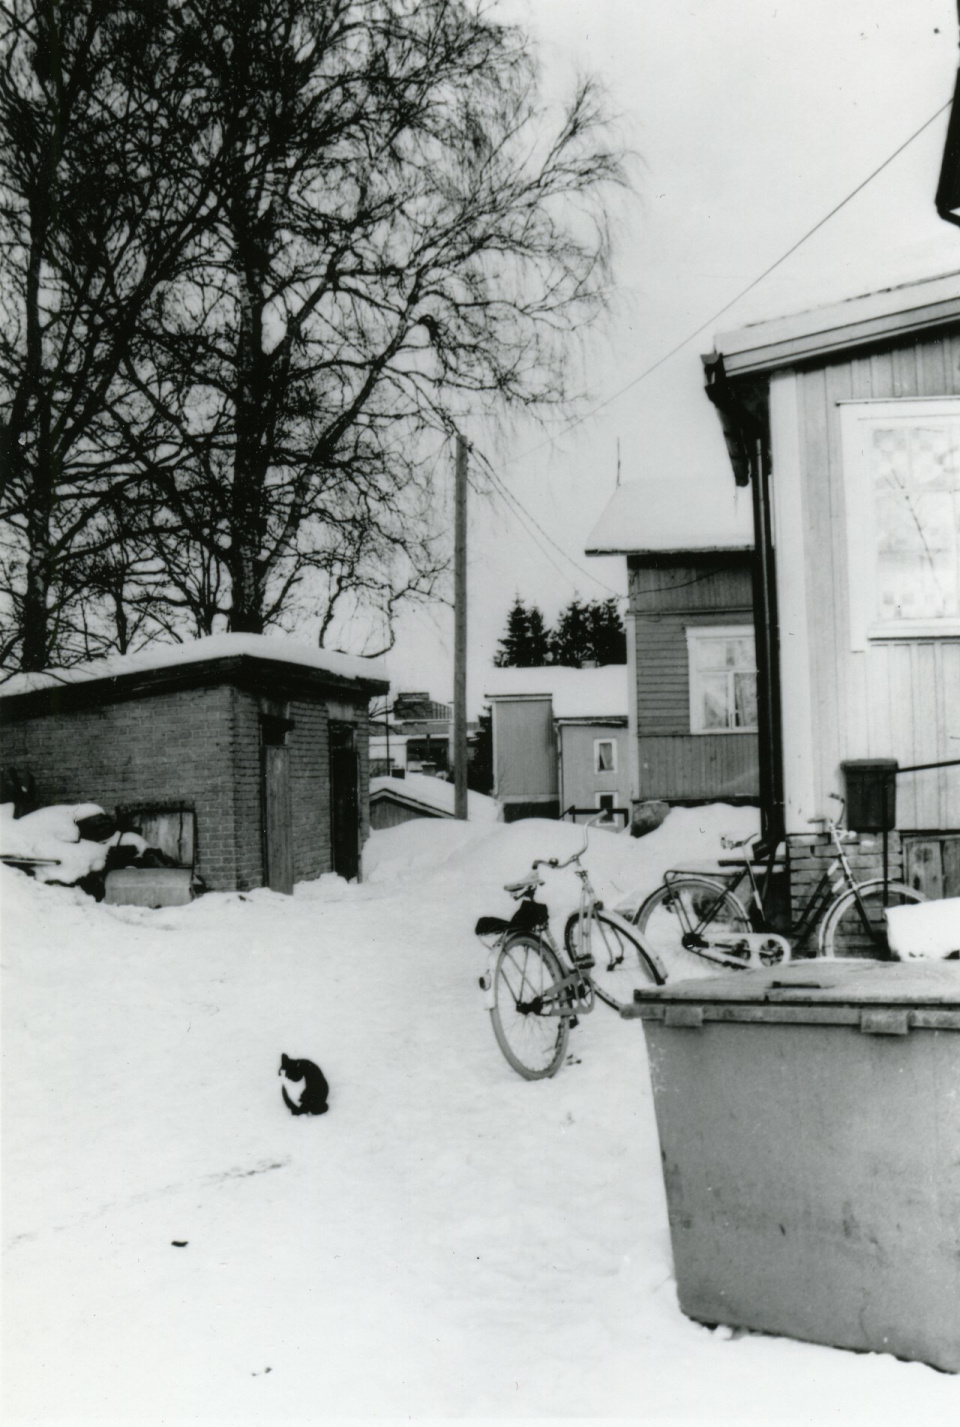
x: 826, y: 891
x: 577, y: 992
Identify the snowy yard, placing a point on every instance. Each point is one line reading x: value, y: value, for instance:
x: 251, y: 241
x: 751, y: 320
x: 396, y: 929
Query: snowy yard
x: 448, y: 1241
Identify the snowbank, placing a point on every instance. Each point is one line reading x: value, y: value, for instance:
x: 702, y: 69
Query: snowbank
x: 929, y: 929
x: 51, y: 836
x: 449, y: 1241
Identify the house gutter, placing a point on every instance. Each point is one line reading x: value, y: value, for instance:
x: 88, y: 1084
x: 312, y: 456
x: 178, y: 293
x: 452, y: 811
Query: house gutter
x: 748, y: 446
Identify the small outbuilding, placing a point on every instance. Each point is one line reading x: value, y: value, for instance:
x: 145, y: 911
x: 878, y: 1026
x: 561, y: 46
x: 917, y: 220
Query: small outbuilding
x: 559, y: 740
x: 396, y: 800
x: 244, y: 757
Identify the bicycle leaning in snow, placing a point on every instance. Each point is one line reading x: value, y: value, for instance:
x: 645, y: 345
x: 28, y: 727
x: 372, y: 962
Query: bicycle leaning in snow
x: 535, y: 991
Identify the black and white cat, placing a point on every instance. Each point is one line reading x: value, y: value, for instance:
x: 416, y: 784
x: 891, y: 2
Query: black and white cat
x: 307, y: 1084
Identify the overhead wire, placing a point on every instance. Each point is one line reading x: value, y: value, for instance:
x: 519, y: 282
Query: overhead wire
x: 635, y: 381
x: 654, y: 366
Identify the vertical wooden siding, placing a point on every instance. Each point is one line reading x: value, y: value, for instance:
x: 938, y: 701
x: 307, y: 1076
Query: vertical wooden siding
x: 899, y: 698
x: 666, y: 598
x: 526, y: 749
x: 580, y: 782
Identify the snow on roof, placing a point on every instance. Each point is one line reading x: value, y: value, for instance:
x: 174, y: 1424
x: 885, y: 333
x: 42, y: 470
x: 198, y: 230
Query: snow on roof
x: 866, y: 317
x: 213, y: 646
x: 576, y: 693
x: 436, y: 794
x: 661, y: 514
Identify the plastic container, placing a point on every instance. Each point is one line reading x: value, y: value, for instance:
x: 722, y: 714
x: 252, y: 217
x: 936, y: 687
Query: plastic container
x: 809, y: 1124
x: 871, y: 794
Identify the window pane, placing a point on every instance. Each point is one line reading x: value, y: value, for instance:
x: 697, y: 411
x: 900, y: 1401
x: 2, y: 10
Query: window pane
x: 715, y: 696
x: 916, y: 483
x: 605, y: 757
x: 745, y: 694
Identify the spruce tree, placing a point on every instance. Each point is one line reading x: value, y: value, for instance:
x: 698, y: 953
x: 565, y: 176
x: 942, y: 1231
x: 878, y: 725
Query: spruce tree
x: 514, y: 642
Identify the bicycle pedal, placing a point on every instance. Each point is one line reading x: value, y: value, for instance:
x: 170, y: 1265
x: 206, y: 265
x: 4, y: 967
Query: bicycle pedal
x: 584, y: 963
x: 573, y: 1022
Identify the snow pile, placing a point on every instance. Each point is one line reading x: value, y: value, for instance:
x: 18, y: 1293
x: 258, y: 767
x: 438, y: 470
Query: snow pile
x: 50, y: 839
x: 437, y: 794
x: 623, y: 868
x: 449, y: 1241
x: 928, y: 929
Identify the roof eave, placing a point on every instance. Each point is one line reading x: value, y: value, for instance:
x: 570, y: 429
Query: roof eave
x: 860, y: 321
x: 275, y: 675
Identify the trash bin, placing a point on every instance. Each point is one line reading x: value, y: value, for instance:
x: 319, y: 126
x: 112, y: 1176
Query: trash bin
x: 871, y: 794
x: 809, y: 1124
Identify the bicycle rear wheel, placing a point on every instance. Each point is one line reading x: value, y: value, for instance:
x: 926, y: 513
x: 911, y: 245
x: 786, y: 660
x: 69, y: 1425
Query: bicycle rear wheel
x: 669, y: 918
x: 528, y: 1025
x: 620, y: 963
x: 845, y: 933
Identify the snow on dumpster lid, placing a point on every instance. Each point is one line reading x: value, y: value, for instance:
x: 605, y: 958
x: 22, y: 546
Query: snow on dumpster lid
x: 795, y: 992
x: 196, y: 651
x: 662, y: 515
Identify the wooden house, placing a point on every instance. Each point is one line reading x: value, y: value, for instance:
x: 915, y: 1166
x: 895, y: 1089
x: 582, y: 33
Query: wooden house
x: 690, y: 638
x: 246, y: 753
x: 845, y: 424
x: 559, y: 740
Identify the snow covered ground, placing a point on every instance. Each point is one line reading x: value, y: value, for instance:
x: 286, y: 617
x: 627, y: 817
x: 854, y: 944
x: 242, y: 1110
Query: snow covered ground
x: 448, y: 1241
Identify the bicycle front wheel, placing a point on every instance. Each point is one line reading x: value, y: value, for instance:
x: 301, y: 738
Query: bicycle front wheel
x: 620, y: 963
x: 527, y: 1020
x: 671, y: 918
x: 847, y: 932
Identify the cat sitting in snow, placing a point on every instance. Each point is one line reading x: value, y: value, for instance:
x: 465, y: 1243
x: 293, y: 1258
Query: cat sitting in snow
x: 308, y: 1085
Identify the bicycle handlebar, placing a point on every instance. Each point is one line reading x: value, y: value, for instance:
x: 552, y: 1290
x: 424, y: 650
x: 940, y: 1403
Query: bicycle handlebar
x: 574, y: 856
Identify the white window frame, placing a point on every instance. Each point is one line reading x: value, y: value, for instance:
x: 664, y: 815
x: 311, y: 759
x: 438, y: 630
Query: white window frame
x: 602, y: 772
x: 610, y: 793
x: 857, y: 420
x: 697, y: 634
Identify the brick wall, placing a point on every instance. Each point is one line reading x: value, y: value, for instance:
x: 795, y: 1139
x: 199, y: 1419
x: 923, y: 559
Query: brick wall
x: 811, y: 855
x: 201, y: 748
x: 174, y: 747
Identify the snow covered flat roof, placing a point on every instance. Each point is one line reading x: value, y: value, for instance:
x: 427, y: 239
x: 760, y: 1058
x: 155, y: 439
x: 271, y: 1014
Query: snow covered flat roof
x: 661, y: 515
x: 910, y: 307
x: 215, y: 646
x: 575, y: 693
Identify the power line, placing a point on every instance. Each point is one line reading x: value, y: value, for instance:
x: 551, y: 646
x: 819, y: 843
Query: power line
x: 526, y: 516
x: 614, y: 396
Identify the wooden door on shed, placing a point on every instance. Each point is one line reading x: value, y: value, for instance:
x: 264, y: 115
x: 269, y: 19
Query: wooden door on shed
x: 344, y: 801
x: 277, y: 807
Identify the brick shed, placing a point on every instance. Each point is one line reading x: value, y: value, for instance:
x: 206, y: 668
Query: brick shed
x: 249, y: 753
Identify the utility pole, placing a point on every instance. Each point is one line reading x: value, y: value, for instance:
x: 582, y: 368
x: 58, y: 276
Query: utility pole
x: 460, y: 633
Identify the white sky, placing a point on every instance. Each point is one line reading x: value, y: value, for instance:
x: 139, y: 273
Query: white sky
x: 752, y: 119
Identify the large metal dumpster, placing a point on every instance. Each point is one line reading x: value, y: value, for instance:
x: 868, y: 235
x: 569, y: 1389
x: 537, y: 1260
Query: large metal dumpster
x: 809, y: 1124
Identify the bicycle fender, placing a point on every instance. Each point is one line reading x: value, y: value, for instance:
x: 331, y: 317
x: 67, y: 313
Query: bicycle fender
x: 634, y: 931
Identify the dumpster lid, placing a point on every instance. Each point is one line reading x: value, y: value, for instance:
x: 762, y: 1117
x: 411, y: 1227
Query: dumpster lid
x: 804, y: 989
